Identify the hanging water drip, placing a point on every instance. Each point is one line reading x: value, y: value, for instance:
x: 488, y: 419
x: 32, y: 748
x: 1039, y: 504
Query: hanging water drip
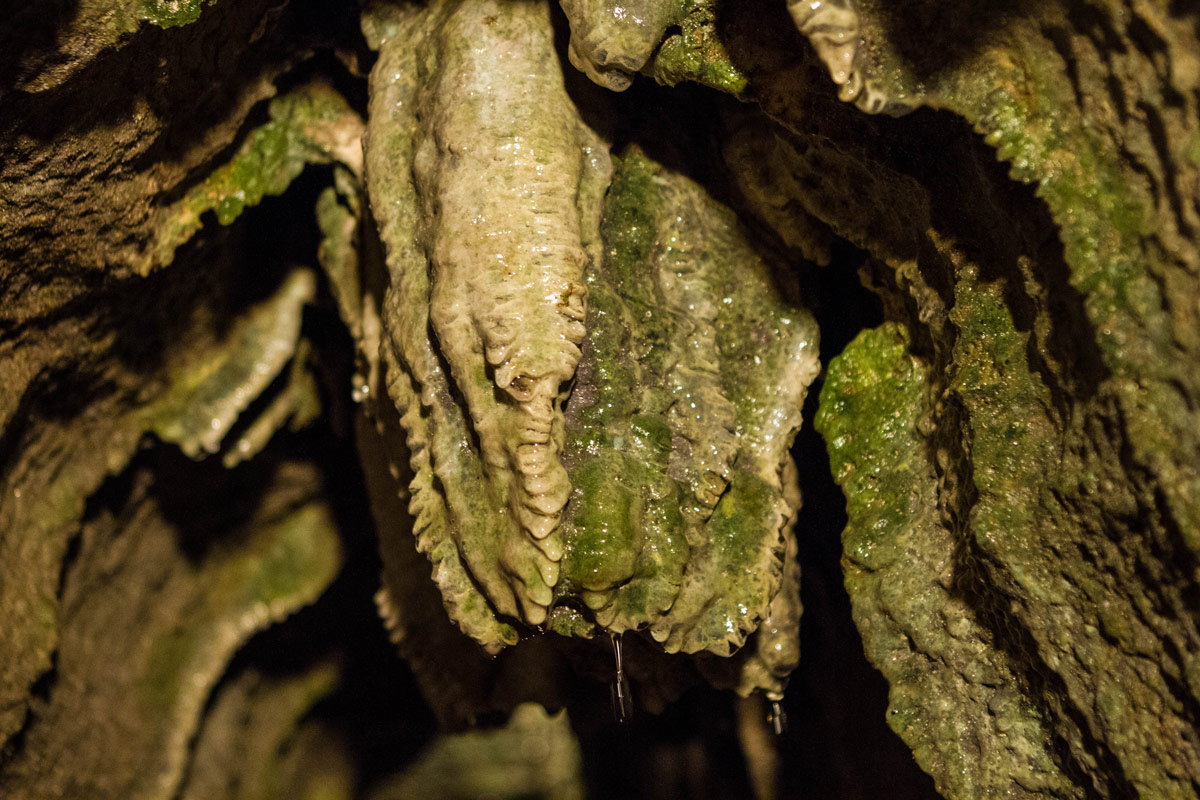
x: 776, y: 717
x: 622, y: 700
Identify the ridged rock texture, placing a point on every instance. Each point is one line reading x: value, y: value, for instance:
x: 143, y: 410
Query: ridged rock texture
x: 158, y: 511
x: 1022, y: 488
x: 598, y: 384
x: 503, y: 313
x: 1019, y: 444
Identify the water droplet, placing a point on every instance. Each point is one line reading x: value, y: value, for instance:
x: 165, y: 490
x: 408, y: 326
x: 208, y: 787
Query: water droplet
x: 776, y: 717
x: 622, y: 700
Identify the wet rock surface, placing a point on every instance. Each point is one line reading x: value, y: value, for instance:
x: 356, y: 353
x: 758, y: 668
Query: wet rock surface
x: 223, y: 322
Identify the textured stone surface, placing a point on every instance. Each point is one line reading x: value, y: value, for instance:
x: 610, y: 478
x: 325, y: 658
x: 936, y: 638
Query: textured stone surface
x: 255, y: 743
x: 900, y: 557
x: 198, y: 367
x: 90, y: 161
x: 127, y: 588
x: 686, y: 364
x: 670, y: 40
x: 1054, y: 333
x: 1018, y: 443
x: 145, y: 629
x: 534, y: 755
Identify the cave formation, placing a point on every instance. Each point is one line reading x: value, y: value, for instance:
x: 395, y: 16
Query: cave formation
x: 379, y: 376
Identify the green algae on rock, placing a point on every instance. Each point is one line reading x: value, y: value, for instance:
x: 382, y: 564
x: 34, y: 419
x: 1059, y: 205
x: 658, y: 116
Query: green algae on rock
x: 310, y: 125
x: 900, y: 556
x: 172, y: 622
x: 1018, y: 445
x: 1057, y: 430
x: 1066, y: 424
x: 692, y: 365
x: 671, y: 41
x: 170, y: 13
x: 678, y: 429
x: 695, y: 52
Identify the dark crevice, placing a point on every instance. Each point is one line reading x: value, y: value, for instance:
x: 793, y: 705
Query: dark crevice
x: 38, y: 698
x: 32, y: 30
x: 1161, y: 546
x: 326, y: 67
x: 690, y: 750
x: 1005, y: 228
x: 1145, y: 39
x: 1093, y: 22
x: 1060, y: 37
x: 1120, y: 100
x: 1160, y: 531
x: 56, y: 394
x: 838, y: 744
x: 1161, y: 140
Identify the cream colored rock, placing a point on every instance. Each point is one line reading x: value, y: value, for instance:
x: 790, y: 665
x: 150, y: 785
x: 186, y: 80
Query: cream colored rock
x: 487, y: 162
x: 835, y: 31
x: 611, y: 40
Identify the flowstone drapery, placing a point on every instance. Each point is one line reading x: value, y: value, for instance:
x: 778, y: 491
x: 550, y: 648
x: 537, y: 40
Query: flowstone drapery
x: 546, y: 280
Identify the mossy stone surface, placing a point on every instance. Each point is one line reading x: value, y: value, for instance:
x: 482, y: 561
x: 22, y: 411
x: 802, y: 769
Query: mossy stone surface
x: 1056, y: 427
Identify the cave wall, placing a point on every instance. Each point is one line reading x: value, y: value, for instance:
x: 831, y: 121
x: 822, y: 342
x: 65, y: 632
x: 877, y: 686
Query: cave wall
x: 1017, y: 442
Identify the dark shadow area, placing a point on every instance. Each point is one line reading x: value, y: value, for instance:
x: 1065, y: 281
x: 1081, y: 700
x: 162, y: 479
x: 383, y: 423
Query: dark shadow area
x: 377, y: 709
x: 215, y: 278
x: 1005, y: 228
x: 932, y: 36
x: 690, y: 750
x: 28, y: 32
x: 838, y: 744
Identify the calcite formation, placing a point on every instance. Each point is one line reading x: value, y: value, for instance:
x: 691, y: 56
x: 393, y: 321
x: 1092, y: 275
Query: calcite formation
x: 998, y: 451
x: 612, y: 40
x: 835, y: 31
x: 598, y: 376
x: 579, y: 360
x: 123, y: 606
